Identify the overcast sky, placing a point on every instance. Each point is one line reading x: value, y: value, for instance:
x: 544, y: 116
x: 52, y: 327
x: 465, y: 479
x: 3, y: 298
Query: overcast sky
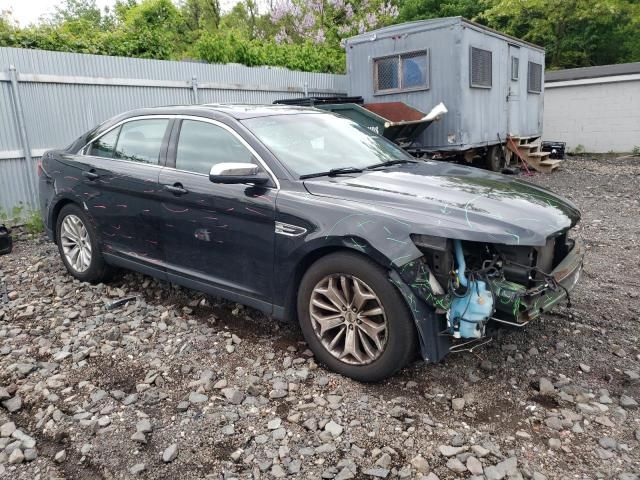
x: 29, y: 11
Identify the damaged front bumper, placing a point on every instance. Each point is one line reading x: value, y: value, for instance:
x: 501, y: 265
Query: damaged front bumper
x: 514, y: 303
x: 517, y: 304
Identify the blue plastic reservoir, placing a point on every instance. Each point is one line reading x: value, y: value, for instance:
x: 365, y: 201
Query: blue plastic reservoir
x: 469, y: 313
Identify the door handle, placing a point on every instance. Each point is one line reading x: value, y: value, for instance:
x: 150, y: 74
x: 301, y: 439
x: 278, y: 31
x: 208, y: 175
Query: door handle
x: 90, y: 174
x: 176, y: 189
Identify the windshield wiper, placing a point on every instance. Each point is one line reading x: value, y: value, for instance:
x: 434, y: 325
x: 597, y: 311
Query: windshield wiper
x: 333, y: 172
x: 388, y: 163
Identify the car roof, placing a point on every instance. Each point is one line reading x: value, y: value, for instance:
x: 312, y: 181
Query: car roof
x: 241, y: 111
x: 237, y: 111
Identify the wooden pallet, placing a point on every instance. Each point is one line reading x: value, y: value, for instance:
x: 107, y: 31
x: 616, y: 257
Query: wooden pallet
x: 529, y: 149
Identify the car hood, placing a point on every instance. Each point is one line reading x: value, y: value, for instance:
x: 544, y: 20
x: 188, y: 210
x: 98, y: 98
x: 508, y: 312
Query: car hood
x: 454, y: 201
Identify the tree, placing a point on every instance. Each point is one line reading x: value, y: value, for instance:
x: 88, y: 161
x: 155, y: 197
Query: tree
x: 74, y: 10
x: 306, y: 34
x: 328, y: 21
x: 427, y: 9
x: 245, y: 18
x: 201, y: 14
x: 152, y: 29
x: 120, y: 10
x: 575, y: 33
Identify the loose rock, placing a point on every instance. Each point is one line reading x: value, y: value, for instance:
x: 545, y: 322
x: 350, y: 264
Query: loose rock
x: 170, y: 453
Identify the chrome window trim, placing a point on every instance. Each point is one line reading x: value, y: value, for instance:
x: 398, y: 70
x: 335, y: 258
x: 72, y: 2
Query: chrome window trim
x: 185, y: 117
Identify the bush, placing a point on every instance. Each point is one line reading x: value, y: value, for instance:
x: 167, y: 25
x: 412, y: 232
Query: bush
x: 22, y: 215
x: 579, y: 150
x: 33, y: 222
x: 234, y: 48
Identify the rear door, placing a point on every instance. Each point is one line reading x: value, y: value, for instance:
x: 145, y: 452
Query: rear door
x: 120, y: 178
x: 217, y: 238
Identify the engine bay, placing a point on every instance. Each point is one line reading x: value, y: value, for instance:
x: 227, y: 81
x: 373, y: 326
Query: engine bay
x: 473, y: 283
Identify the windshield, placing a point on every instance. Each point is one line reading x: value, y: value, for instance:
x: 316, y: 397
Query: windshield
x: 309, y: 143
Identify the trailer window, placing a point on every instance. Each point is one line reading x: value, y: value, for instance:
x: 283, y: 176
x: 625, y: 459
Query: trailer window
x: 481, y: 68
x: 387, y: 73
x: 414, y: 70
x: 515, y: 68
x: 406, y: 71
x: 535, y: 78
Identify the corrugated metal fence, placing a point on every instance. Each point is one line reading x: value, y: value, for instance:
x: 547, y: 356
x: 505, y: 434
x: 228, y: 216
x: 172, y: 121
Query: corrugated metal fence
x: 47, y: 99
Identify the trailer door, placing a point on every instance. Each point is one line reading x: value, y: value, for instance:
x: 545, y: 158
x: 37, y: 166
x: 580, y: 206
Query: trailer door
x: 513, y: 91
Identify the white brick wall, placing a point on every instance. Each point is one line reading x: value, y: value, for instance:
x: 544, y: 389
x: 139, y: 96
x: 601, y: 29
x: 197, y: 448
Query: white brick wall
x: 602, y: 114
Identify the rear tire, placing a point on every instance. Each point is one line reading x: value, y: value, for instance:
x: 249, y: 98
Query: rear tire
x: 78, y: 245
x: 378, y: 334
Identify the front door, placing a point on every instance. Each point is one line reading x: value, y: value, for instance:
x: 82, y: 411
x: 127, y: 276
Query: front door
x: 217, y: 238
x: 513, y: 94
x: 120, y: 180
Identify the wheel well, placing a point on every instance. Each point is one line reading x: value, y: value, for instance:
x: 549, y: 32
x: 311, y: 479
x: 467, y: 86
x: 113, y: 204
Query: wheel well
x: 291, y: 312
x: 56, y: 212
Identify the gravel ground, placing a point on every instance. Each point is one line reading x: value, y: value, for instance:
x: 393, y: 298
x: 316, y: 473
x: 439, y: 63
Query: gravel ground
x: 178, y: 385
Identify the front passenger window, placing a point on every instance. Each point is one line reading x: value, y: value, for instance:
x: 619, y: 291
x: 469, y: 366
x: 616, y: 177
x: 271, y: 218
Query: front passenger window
x: 202, y: 145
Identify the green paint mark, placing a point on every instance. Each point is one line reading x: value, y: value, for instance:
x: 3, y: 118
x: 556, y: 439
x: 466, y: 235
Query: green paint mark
x: 400, y: 258
x: 396, y: 240
x: 358, y: 246
x: 360, y: 225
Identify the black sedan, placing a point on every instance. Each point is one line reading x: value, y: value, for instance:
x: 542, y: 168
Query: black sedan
x: 304, y: 214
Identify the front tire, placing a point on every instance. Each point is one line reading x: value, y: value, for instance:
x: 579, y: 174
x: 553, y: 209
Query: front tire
x: 353, y: 318
x: 78, y: 245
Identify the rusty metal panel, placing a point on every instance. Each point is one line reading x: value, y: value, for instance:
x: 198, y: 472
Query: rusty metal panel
x: 395, y: 111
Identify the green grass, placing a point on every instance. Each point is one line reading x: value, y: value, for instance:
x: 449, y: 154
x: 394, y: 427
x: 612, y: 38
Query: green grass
x: 22, y: 215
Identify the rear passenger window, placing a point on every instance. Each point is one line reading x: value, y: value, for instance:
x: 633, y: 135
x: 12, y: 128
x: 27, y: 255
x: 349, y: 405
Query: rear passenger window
x: 202, y: 145
x: 105, y: 145
x: 141, y: 140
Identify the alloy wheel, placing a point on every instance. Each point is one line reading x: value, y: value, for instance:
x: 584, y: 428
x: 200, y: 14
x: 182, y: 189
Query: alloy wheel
x: 348, y: 318
x: 76, y: 243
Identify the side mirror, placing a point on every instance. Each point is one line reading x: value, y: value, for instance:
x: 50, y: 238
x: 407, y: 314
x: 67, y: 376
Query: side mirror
x: 237, y: 173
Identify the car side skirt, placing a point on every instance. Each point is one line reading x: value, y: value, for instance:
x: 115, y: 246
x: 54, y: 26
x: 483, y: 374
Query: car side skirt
x: 160, y: 273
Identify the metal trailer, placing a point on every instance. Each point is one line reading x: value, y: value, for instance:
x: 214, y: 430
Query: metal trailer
x: 491, y: 83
